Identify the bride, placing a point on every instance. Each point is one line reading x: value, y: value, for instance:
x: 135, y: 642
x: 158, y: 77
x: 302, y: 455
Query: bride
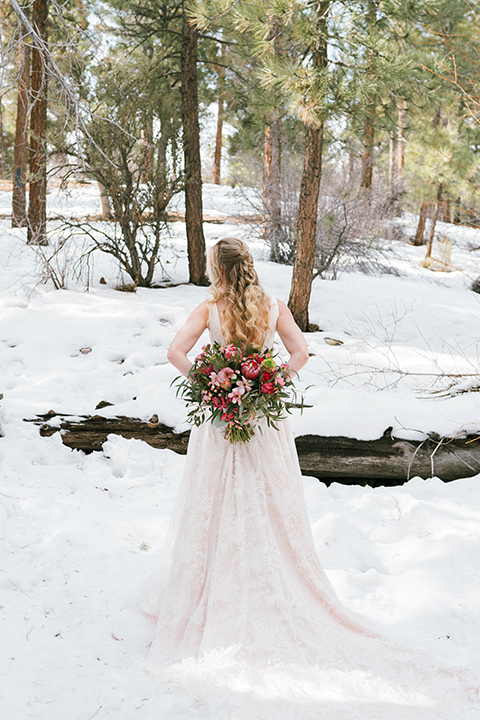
x: 247, y: 624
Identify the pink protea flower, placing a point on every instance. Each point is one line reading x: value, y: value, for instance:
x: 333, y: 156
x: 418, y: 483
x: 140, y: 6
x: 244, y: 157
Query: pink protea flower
x: 251, y: 369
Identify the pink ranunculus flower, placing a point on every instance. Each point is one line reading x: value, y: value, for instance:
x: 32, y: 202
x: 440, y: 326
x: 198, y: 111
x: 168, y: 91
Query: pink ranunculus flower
x: 280, y: 380
x: 251, y: 369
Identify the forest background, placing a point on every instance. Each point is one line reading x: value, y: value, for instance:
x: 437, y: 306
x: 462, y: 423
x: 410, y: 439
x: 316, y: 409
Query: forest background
x: 342, y: 115
x: 349, y: 132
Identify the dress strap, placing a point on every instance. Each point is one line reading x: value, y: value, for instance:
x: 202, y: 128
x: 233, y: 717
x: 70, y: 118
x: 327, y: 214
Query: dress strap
x: 274, y: 313
x: 214, y: 325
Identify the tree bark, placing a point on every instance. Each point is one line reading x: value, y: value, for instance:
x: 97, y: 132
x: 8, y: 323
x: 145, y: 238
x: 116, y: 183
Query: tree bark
x: 385, y: 461
x: 457, y: 207
x: 105, y: 200
x: 19, y: 202
x: 368, y: 140
x: 271, y: 182
x: 422, y: 218
x: 37, y: 205
x: 401, y: 139
x: 302, y: 276
x: 307, y: 228
x: 391, y: 163
x: 2, y: 143
x: 148, y: 155
x: 431, y: 234
x: 368, y: 137
x: 149, y: 150
x: 219, y: 136
x: 191, y: 148
x: 218, y: 143
x: 446, y: 210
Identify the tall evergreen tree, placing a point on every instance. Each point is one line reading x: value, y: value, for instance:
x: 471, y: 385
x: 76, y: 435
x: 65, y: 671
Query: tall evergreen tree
x: 191, y: 145
x: 170, y: 23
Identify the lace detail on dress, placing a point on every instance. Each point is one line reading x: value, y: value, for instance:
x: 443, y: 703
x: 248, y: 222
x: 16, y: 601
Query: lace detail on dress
x: 248, y: 624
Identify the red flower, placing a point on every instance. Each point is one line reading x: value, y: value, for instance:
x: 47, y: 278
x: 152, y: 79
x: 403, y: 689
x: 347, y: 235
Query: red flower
x: 268, y: 388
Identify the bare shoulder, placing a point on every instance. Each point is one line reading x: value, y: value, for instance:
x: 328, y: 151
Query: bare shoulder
x: 284, y: 311
x: 201, y: 311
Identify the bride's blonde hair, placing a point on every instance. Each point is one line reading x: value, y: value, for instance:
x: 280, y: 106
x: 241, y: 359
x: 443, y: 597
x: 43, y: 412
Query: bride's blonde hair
x: 233, y: 277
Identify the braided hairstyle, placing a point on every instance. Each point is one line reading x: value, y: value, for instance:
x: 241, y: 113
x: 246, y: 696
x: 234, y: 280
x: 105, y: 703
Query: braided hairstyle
x: 233, y: 277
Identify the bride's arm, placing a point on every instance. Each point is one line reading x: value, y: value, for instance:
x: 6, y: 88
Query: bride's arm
x: 186, y: 338
x: 292, y: 337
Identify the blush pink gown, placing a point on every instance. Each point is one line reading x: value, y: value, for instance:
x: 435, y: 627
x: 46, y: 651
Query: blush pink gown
x: 248, y: 626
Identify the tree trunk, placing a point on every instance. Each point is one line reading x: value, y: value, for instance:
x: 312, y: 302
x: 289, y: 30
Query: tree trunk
x: 2, y: 144
x: 368, y: 137
x: 386, y: 460
x: 218, y: 143
x: 149, y: 150
x: 19, y: 203
x: 271, y: 183
x: 191, y: 148
x: 391, y: 163
x: 105, y: 200
x: 401, y: 139
x: 37, y: 205
x: 367, y: 154
x: 457, y: 217
x: 446, y: 211
x: 307, y: 227
x: 218, y: 139
x: 431, y: 234
x: 421, y: 224
x: 302, y: 276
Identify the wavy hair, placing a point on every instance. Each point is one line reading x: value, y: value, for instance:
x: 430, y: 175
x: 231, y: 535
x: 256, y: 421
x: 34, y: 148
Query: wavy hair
x: 233, y: 277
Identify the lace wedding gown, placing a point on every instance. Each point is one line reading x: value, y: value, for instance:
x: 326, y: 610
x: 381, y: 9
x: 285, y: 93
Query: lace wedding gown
x: 248, y: 624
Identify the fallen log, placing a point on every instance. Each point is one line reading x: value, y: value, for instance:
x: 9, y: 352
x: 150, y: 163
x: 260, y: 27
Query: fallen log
x: 385, y: 461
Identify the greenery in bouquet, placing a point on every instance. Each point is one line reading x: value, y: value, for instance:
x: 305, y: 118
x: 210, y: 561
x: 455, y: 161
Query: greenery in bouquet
x: 235, y: 388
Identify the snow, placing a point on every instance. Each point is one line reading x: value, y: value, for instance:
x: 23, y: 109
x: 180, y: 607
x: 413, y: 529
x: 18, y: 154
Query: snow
x: 80, y: 533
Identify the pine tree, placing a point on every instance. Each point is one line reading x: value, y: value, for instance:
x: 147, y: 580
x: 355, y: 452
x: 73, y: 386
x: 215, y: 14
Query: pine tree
x: 169, y: 23
x: 191, y: 145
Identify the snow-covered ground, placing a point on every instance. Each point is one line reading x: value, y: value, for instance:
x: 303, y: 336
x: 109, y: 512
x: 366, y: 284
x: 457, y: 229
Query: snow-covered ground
x: 79, y: 532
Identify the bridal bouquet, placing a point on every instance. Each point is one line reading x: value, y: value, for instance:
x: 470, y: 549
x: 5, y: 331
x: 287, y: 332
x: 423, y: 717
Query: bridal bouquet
x: 235, y: 389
